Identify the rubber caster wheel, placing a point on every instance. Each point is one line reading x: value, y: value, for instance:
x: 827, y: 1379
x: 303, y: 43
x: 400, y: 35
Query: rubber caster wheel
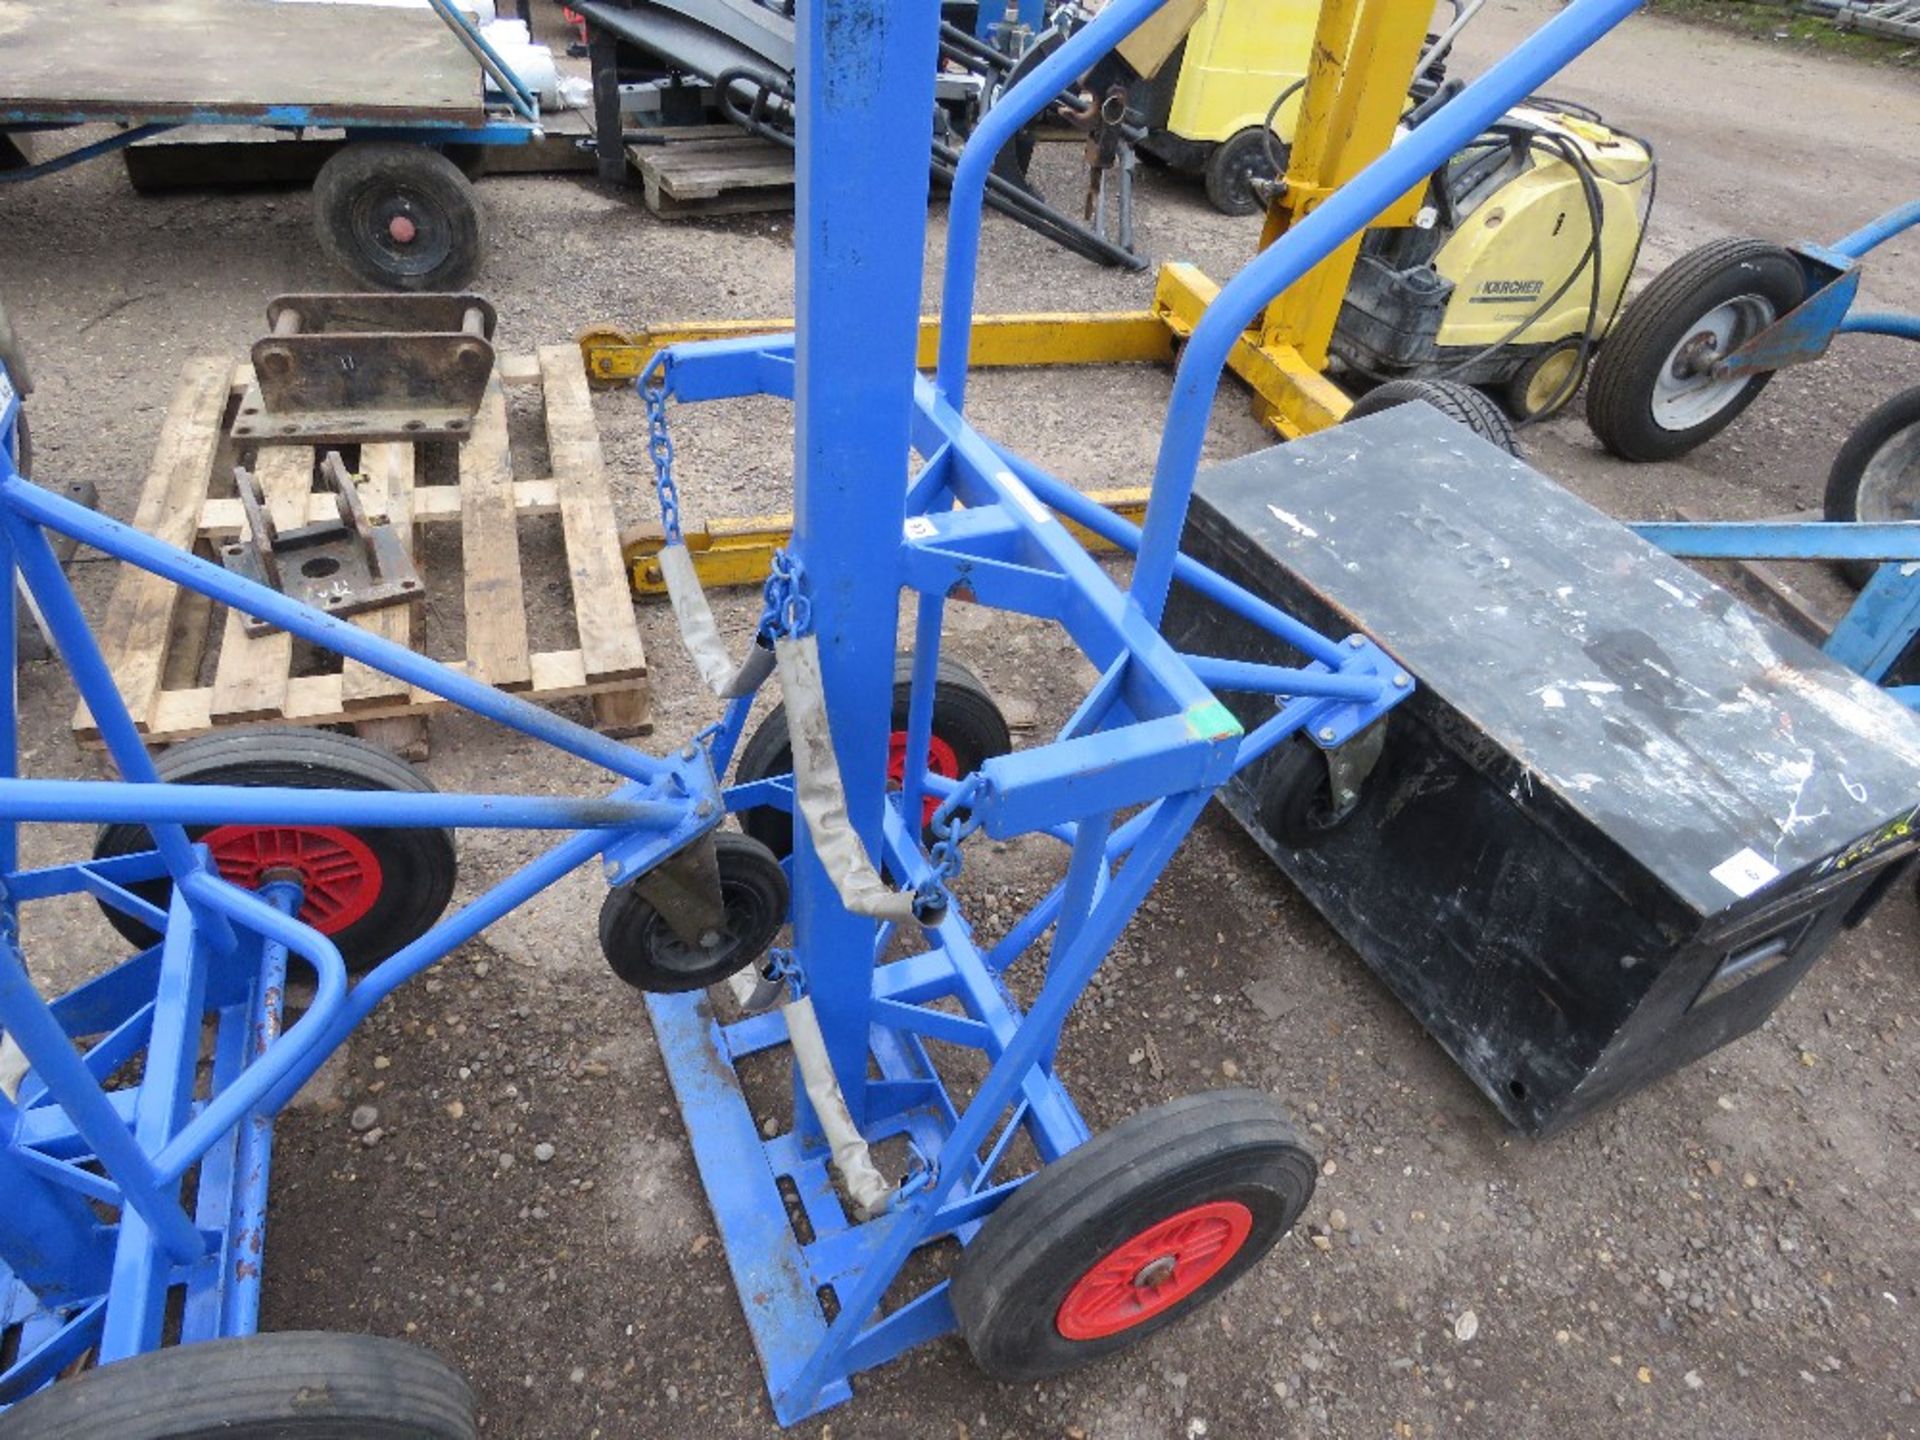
x: 372, y: 891
x: 645, y: 951
x: 1235, y: 170
x: 1546, y: 384
x: 1461, y: 404
x: 1876, y: 475
x: 1653, y: 396
x: 1296, y: 798
x: 1127, y: 1234
x: 968, y: 729
x: 398, y: 217
x: 296, y: 1385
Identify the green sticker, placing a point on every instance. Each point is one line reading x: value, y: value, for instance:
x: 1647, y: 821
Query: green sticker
x: 1213, y: 721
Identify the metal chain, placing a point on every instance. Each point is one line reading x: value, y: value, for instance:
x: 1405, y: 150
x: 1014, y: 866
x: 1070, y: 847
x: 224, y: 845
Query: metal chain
x: 652, y: 386
x: 786, y: 611
x: 954, y: 820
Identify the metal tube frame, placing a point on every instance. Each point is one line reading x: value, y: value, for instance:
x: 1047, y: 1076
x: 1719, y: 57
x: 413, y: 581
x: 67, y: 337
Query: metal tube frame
x: 979, y: 525
x: 67, y: 1137
x: 1150, y: 738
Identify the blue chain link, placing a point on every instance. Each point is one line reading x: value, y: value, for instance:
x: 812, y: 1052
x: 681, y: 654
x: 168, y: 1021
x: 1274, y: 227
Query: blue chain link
x: 786, y: 612
x: 652, y: 386
x: 954, y: 820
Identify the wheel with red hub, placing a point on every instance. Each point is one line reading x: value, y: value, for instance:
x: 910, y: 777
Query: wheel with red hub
x: 397, y: 216
x: 968, y: 728
x: 1141, y: 1225
x: 370, y: 891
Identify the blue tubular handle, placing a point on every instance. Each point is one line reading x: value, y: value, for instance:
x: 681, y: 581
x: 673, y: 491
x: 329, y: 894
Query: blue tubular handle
x: 1880, y: 322
x: 1122, y: 533
x: 968, y: 193
x: 231, y: 1105
x: 1342, y: 215
x: 1878, y: 232
x: 115, y: 802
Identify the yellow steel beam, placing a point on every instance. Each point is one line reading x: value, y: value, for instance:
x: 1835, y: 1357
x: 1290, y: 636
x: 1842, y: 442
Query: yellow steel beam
x: 728, y: 553
x: 615, y: 356
x: 1290, y: 395
x: 1364, y: 53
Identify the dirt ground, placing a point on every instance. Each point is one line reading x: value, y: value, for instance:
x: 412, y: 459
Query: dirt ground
x: 1731, y: 1252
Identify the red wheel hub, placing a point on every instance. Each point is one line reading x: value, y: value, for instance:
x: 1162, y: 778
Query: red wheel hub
x: 1154, y: 1271
x: 940, y: 761
x: 339, y: 873
x: 402, y: 231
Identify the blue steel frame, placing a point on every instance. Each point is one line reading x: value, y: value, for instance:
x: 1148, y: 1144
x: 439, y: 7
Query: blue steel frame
x: 974, y: 522
x: 977, y: 523
x: 1833, y: 284
x: 1876, y: 631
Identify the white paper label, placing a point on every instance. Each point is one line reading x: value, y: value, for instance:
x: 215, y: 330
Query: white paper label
x: 1744, y: 872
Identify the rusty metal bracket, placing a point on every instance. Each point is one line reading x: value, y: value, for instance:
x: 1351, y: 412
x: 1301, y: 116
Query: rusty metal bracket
x: 343, y: 566
x: 338, y: 369
x: 685, y: 889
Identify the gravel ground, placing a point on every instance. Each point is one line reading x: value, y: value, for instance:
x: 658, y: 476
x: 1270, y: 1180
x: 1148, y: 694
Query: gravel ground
x: 1730, y: 1253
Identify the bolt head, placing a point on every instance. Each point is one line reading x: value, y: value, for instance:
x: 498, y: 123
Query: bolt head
x: 1327, y: 732
x: 1155, y: 1273
x: 613, y: 869
x: 1356, y: 642
x: 1402, y: 680
x: 703, y: 809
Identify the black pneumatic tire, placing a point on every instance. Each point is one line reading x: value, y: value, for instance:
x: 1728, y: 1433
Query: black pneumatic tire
x: 1296, y: 799
x: 415, y: 867
x: 296, y: 1385
x: 965, y: 720
x: 1158, y: 1169
x: 1461, y: 404
x: 1876, y: 475
x: 643, y: 950
x: 1233, y: 167
x: 365, y: 188
x: 1621, y: 394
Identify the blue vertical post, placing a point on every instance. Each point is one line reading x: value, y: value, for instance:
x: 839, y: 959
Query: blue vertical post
x: 866, y: 99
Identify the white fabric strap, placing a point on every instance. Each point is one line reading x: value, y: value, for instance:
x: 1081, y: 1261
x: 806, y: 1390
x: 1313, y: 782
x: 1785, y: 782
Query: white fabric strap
x: 702, y: 636
x: 818, y: 793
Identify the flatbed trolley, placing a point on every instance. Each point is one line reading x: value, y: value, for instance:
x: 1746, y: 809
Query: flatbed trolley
x: 275, y: 853
x: 390, y: 207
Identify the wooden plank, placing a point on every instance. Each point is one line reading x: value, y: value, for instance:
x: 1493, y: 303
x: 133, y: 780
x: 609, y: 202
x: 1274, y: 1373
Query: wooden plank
x: 250, y: 677
x: 602, y: 598
x: 140, y: 613
x: 315, y: 699
x: 220, y: 520
x: 496, y: 602
x: 517, y: 369
x: 133, y: 59
x: 389, y: 472
x: 622, y: 714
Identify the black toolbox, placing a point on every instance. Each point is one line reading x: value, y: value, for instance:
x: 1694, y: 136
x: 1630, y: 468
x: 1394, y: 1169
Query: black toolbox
x: 1620, y: 816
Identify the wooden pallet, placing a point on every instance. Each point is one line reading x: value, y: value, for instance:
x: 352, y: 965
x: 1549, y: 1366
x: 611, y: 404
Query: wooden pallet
x: 713, y: 170
x: 186, y: 666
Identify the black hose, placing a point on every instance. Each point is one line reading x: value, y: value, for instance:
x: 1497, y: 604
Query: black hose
x: 1276, y: 156
x: 1592, y: 257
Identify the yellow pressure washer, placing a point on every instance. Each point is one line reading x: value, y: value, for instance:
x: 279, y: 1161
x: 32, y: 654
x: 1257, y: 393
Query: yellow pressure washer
x: 1511, y: 269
